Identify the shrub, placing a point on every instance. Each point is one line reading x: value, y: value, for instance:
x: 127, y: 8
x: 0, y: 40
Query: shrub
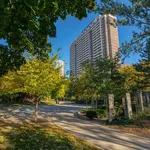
x: 101, y: 113
x: 140, y: 116
x: 121, y: 121
x: 119, y: 110
x: 102, y: 107
x: 137, y: 119
x: 91, y: 114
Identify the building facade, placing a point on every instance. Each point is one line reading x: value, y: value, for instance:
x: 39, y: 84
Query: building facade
x: 98, y: 39
x: 61, y: 64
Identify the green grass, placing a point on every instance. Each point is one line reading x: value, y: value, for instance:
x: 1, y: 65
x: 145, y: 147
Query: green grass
x: 19, y: 104
x: 34, y: 137
x: 47, y: 102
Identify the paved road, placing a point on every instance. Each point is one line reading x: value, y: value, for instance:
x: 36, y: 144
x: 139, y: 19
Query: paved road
x: 100, y: 136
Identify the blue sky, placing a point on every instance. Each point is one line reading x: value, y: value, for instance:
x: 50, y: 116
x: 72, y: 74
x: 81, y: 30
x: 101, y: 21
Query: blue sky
x: 68, y: 30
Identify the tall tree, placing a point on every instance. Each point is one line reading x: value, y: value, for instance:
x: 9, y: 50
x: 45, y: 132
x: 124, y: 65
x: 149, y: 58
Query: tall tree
x: 28, y: 24
x: 134, y: 80
x: 131, y: 13
x: 35, y: 78
x: 98, y: 79
x: 144, y: 68
x: 145, y: 53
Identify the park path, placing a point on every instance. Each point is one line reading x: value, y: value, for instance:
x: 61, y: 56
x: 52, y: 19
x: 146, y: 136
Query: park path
x: 98, y: 135
x: 63, y: 116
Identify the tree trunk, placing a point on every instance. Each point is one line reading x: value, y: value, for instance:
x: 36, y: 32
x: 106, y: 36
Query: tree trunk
x: 86, y: 104
x: 36, y: 110
x: 96, y: 104
x: 92, y: 104
x: 147, y: 99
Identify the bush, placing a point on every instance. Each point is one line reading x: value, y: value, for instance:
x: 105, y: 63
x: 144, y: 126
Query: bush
x: 119, y: 110
x: 101, y: 113
x: 121, y: 121
x: 102, y: 107
x: 91, y: 114
x: 137, y: 119
x: 140, y: 116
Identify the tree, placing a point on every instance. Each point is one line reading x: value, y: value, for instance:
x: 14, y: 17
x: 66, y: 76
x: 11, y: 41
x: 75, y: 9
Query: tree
x: 35, y: 78
x: 10, y: 59
x: 106, y: 75
x: 60, y: 89
x: 98, y: 79
x: 27, y: 25
x: 145, y: 53
x: 86, y: 86
x: 134, y: 13
x: 144, y: 68
x: 134, y: 80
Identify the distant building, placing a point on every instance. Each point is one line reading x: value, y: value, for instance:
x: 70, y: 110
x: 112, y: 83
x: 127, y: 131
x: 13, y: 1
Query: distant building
x: 98, y: 39
x: 61, y: 64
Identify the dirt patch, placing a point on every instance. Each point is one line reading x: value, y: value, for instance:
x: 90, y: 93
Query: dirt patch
x: 143, y: 131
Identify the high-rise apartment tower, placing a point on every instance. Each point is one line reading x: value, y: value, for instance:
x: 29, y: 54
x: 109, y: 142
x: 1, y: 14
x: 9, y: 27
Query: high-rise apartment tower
x: 98, y: 39
x: 61, y: 65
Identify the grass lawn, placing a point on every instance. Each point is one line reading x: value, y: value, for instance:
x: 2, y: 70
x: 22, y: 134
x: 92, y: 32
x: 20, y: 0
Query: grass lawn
x: 36, y: 137
x: 47, y: 102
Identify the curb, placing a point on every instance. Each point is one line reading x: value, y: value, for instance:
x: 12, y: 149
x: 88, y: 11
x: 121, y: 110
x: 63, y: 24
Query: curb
x: 81, y: 116
x: 102, y: 122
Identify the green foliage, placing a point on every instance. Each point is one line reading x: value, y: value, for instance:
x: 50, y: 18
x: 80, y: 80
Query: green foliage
x: 121, y: 121
x: 26, y: 26
x: 10, y: 59
x: 134, y: 80
x: 144, y: 68
x: 97, y: 80
x: 101, y: 113
x: 47, y: 101
x: 145, y: 53
x: 139, y: 117
x: 106, y: 76
x: 130, y: 13
x: 136, y: 119
x: 119, y: 110
x: 35, y: 78
x: 91, y: 114
x: 61, y: 88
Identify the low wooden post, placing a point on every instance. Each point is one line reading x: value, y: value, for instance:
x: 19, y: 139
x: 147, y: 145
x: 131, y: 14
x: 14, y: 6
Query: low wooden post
x: 140, y: 98
x: 128, y: 106
x: 124, y: 107
x: 36, y: 110
x: 111, y: 112
x: 147, y: 99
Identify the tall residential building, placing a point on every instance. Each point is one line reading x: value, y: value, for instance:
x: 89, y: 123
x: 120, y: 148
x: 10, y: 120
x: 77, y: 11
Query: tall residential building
x: 61, y: 65
x: 98, y: 39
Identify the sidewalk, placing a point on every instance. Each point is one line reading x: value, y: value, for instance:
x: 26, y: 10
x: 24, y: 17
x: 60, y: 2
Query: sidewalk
x: 100, y: 136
